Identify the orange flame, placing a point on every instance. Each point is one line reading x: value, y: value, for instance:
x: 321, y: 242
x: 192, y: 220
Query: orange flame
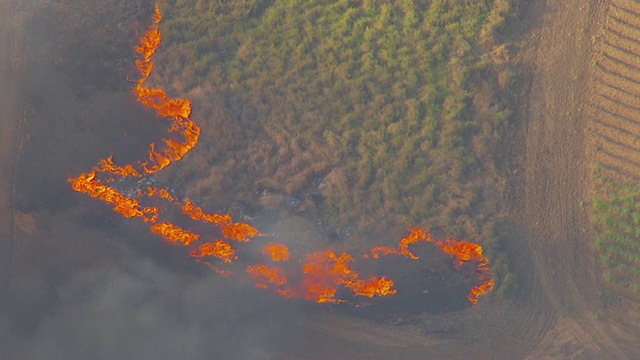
x: 235, y: 231
x: 326, y: 272
x: 162, y: 193
x: 166, y: 107
x: 462, y: 252
x: 376, y: 287
x: 264, y: 275
x: 277, y: 251
x: 323, y: 273
x: 415, y: 235
x: 220, y: 249
x: 107, y: 166
x: 174, y: 234
x: 129, y: 208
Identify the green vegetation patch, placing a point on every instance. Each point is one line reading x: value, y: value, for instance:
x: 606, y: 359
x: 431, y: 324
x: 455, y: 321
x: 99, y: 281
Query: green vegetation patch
x: 616, y: 215
x: 390, y: 109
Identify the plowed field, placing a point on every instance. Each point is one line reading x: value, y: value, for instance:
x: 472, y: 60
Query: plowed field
x: 616, y: 124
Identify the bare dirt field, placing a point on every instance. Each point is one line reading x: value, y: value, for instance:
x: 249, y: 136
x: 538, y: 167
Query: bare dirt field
x: 552, y: 249
x: 582, y: 84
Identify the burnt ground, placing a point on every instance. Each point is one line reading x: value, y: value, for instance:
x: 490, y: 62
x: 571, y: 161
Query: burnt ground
x: 561, y: 310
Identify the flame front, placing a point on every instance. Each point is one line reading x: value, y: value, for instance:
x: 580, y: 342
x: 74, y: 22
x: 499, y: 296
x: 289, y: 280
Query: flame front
x: 178, y: 110
x: 317, y: 277
x: 129, y: 208
x: 462, y: 252
x: 265, y: 275
x: 236, y: 231
x: 220, y: 249
x: 277, y: 251
x: 174, y: 234
x: 326, y: 272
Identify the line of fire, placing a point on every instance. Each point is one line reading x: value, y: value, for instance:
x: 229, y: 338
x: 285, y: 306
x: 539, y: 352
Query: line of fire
x: 324, y: 276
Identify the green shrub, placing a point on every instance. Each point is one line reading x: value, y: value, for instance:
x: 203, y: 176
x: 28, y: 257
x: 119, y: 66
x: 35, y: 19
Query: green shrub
x: 617, y: 219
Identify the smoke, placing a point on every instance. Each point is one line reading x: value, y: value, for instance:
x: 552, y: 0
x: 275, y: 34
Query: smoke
x: 81, y: 283
x: 131, y: 307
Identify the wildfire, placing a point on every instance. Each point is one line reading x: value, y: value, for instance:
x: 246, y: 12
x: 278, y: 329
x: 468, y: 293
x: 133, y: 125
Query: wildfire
x: 178, y: 110
x: 462, y: 251
x: 220, y: 249
x: 107, y: 166
x: 129, y: 208
x: 162, y: 193
x: 264, y: 275
x: 318, y: 276
x: 325, y: 272
x: 235, y: 231
x: 415, y: 235
x: 277, y: 251
x: 174, y: 234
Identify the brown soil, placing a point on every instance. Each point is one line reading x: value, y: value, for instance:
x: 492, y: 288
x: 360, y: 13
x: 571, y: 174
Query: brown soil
x: 551, y: 250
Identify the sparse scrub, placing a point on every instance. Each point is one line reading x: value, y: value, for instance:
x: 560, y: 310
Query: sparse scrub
x: 616, y: 215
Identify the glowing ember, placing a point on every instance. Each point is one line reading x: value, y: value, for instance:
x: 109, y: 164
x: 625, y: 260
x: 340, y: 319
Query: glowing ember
x: 320, y: 275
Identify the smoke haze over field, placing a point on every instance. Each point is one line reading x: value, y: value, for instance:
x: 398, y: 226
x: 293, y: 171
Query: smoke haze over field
x: 82, y: 283
x: 78, y: 281
x: 129, y: 307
